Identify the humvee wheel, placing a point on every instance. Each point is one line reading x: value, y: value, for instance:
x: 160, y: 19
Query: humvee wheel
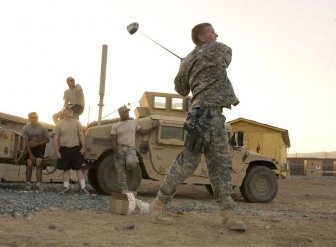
x: 260, y: 185
x: 107, y: 178
x: 92, y: 178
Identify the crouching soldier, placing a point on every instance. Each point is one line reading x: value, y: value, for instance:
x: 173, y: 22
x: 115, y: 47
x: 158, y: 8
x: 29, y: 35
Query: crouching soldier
x: 123, y: 143
x: 36, y: 137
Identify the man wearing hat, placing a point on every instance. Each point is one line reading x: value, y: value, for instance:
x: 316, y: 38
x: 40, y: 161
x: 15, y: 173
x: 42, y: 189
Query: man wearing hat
x: 73, y: 96
x: 123, y: 143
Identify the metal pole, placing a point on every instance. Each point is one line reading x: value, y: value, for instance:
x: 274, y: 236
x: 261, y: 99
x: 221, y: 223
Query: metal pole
x: 102, y: 82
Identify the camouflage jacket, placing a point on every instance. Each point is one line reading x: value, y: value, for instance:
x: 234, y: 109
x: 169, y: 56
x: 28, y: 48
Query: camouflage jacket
x: 203, y: 72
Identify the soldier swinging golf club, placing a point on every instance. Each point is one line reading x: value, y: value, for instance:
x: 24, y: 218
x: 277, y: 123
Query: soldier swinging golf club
x: 134, y: 27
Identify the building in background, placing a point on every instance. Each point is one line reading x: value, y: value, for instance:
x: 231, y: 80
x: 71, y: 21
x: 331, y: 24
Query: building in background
x: 264, y: 139
x: 313, y: 164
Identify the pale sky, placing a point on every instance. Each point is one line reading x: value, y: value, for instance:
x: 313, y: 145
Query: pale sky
x: 283, y: 68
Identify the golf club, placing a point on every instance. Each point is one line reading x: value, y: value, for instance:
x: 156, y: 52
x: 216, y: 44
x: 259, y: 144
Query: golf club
x: 134, y: 27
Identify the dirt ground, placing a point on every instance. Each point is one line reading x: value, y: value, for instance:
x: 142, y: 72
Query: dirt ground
x: 302, y: 214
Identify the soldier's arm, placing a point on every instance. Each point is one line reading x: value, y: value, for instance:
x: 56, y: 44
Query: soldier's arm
x: 26, y: 140
x: 45, y: 138
x: 28, y: 148
x: 56, y: 146
x: 114, y: 145
x: 82, y: 141
x: 65, y: 99
x: 79, y: 91
x: 146, y: 131
x: 181, y: 86
x: 114, y: 141
x: 181, y: 82
x: 56, y: 143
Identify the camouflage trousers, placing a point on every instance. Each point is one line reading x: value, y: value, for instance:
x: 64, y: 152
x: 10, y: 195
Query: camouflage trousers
x: 120, y: 165
x: 217, y: 157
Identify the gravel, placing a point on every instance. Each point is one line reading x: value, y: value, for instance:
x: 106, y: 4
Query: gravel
x: 15, y: 201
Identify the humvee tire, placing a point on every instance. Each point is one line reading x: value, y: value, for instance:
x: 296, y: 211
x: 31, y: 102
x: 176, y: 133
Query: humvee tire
x: 107, y: 178
x: 259, y: 185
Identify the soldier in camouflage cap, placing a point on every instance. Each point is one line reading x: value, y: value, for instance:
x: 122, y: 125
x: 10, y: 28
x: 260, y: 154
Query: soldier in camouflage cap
x: 123, y: 143
x: 203, y: 72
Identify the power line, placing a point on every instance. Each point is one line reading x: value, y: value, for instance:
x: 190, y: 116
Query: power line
x: 128, y: 104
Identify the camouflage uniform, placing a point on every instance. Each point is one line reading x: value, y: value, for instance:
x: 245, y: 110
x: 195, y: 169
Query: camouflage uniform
x: 121, y: 165
x: 124, y: 131
x: 203, y: 72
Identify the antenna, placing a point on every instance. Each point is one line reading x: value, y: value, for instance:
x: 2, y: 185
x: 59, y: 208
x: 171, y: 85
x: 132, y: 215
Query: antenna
x: 102, y: 82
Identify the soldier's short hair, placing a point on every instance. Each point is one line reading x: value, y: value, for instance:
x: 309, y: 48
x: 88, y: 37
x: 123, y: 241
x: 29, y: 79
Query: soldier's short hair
x: 197, y: 30
x: 32, y: 114
x: 70, y: 79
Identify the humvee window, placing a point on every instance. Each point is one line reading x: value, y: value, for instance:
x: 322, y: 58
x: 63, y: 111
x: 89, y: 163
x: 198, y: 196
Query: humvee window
x: 159, y: 102
x: 177, y: 104
x: 170, y: 134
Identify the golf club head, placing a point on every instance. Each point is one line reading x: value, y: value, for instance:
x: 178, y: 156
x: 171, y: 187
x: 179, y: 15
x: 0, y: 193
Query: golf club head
x: 133, y: 27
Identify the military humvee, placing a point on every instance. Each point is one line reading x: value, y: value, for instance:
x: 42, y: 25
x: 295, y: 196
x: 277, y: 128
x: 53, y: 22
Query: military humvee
x: 252, y: 173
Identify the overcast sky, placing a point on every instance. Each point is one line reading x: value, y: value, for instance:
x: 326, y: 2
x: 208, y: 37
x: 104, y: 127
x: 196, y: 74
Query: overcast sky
x: 283, y: 67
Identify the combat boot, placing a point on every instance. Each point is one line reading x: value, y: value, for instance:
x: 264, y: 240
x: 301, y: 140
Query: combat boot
x: 228, y: 216
x: 157, y: 209
x: 231, y: 222
x: 228, y: 203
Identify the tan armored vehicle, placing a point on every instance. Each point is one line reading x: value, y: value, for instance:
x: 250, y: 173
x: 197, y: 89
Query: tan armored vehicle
x: 252, y: 173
